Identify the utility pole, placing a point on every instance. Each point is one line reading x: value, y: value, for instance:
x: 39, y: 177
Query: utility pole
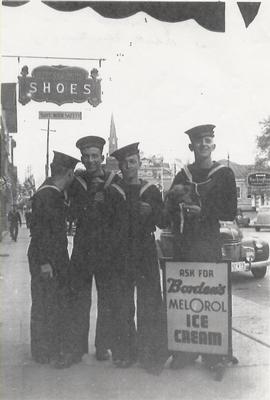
x: 48, y: 130
x: 228, y: 160
x: 162, y: 179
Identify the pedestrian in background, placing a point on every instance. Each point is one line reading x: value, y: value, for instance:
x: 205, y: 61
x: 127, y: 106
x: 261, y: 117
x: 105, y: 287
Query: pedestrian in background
x: 136, y: 208
x: 28, y: 215
x: 89, y: 257
x: 14, y: 219
x: 48, y: 262
x: 201, y: 194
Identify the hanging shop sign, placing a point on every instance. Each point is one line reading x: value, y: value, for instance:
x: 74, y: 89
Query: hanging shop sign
x: 59, y: 85
x: 198, y: 298
x: 259, y: 179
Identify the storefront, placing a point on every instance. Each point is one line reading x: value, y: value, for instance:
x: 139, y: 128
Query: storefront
x: 8, y: 179
x: 258, y: 185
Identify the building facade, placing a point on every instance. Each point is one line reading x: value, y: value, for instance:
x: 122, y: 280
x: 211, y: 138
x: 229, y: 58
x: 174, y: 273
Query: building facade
x: 251, y: 193
x: 8, y: 179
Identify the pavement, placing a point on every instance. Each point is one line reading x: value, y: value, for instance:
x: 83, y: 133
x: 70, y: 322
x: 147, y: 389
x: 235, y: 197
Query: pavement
x: 22, y: 379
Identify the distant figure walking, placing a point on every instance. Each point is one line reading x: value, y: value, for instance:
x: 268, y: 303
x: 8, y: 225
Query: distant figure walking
x: 28, y: 215
x: 14, y: 219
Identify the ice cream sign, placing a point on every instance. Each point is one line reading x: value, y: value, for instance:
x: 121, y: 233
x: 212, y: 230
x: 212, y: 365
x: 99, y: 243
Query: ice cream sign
x: 198, y: 307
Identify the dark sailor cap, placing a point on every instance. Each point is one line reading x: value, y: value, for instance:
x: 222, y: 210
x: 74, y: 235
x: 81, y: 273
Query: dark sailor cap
x: 64, y: 160
x: 201, y: 131
x: 126, y: 151
x: 90, y: 141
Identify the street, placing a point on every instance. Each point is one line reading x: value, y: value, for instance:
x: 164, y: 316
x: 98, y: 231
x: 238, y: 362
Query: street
x: 23, y: 379
x: 244, y: 283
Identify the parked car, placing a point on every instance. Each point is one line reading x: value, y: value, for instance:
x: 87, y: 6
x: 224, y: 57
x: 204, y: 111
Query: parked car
x: 263, y: 218
x: 246, y: 254
x: 241, y: 220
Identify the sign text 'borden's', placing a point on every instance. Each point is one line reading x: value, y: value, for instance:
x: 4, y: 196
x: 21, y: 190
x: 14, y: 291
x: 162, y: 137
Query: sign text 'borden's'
x: 198, y: 307
x: 59, y: 85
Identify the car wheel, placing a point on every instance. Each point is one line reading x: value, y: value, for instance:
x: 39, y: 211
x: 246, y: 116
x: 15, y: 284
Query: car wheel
x: 259, y: 272
x: 257, y: 229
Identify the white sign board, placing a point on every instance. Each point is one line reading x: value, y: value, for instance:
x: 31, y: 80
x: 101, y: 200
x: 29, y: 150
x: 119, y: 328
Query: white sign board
x: 60, y: 115
x: 198, y: 297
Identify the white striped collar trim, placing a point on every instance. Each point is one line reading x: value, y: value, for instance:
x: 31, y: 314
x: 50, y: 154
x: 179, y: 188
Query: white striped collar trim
x: 49, y: 186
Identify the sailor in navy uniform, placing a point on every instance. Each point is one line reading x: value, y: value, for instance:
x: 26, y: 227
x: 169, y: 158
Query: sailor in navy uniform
x: 195, y: 223
x: 48, y: 262
x: 89, y: 256
x: 136, y: 208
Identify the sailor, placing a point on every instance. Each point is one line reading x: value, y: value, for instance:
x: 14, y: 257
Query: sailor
x: 201, y: 194
x: 48, y: 262
x: 136, y: 209
x: 89, y: 256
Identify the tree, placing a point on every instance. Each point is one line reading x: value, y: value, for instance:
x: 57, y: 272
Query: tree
x: 263, y: 145
x: 26, y: 190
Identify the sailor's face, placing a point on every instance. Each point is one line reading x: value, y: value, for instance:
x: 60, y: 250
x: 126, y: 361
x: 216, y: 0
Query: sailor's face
x: 203, y: 146
x: 92, y: 159
x: 130, y: 166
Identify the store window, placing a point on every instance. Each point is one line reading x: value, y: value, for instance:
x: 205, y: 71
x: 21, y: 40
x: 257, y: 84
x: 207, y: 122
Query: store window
x: 238, y: 189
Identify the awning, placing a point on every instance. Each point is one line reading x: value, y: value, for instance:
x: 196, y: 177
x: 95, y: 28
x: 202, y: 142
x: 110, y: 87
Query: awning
x: 210, y: 15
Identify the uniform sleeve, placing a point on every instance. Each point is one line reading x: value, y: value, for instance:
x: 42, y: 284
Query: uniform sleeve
x: 74, y: 197
x: 221, y: 202
x: 44, y: 215
x: 154, y: 198
x: 113, y: 202
x: 116, y: 223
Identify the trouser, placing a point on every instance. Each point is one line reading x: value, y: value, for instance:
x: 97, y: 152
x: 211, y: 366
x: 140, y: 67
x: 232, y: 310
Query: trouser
x: 124, y: 335
x: 49, y: 313
x: 80, y: 318
x: 13, y: 230
x: 148, y: 344
x: 151, y: 321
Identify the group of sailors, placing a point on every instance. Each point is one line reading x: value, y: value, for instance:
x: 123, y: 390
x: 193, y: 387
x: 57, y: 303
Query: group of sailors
x: 114, y: 244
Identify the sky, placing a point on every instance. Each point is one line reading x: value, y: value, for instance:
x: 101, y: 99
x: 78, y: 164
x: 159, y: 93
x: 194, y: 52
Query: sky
x: 171, y: 77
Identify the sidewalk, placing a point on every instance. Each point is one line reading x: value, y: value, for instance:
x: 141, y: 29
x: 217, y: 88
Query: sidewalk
x: 22, y: 379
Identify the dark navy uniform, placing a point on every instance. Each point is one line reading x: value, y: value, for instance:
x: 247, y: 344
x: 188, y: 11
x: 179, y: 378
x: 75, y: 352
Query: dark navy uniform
x: 89, y: 259
x: 213, y: 190
x: 135, y: 264
x: 49, y: 296
x: 200, y: 239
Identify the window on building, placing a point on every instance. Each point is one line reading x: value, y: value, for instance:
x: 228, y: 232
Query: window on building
x: 238, y: 189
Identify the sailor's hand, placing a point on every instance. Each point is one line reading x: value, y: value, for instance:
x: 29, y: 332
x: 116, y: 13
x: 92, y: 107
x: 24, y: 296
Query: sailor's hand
x: 145, y: 209
x: 46, y: 271
x: 191, y: 210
